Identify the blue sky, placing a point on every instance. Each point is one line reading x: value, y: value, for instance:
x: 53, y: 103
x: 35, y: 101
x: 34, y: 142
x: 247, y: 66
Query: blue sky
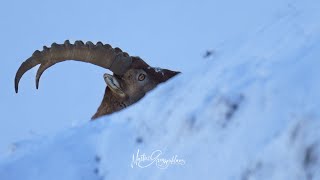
x: 167, y: 34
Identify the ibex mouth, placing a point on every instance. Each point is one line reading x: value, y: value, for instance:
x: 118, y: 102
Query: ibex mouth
x: 113, y: 84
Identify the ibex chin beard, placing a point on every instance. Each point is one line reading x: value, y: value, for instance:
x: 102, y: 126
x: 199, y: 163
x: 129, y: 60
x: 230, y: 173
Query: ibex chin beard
x: 114, y: 85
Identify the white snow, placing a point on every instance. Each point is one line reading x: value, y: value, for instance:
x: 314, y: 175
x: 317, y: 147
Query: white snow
x: 251, y: 111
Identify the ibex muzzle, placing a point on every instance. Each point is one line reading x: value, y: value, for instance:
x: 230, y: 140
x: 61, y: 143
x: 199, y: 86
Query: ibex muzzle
x: 132, y: 77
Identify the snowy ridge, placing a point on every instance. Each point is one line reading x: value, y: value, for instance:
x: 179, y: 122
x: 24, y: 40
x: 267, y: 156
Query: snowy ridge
x: 250, y: 112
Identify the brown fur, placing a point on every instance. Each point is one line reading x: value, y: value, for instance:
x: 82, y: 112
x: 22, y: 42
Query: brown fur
x: 112, y: 103
x: 108, y: 105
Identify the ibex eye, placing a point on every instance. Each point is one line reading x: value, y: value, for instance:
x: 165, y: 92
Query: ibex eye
x: 141, y: 77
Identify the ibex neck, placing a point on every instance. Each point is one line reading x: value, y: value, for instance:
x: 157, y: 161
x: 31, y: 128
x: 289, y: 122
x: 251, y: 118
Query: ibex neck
x: 110, y: 104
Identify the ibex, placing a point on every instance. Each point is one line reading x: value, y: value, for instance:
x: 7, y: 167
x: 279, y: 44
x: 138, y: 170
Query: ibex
x: 132, y: 77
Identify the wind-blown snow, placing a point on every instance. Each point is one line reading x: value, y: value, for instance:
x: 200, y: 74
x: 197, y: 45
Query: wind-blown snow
x: 249, y: 112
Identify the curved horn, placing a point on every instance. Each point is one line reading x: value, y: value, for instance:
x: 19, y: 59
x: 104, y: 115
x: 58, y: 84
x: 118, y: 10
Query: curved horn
x: 102, y: 55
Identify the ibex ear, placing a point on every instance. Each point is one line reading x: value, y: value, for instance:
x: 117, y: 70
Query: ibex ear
x: 161, y: 75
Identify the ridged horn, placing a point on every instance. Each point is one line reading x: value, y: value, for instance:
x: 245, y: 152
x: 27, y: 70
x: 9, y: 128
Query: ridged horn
x: 102, y: 55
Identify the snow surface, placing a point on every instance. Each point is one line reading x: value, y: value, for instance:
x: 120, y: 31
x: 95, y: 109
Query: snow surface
x: 251, y: 111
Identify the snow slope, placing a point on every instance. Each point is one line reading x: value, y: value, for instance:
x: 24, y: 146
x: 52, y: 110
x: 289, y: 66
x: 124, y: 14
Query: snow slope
x: 248, y: 112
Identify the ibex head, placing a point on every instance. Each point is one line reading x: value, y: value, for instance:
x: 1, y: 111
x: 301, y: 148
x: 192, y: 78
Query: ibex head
x: 132, y: 77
